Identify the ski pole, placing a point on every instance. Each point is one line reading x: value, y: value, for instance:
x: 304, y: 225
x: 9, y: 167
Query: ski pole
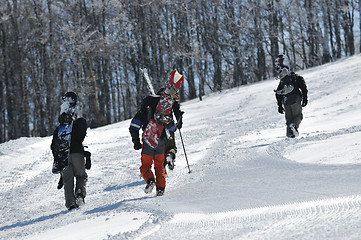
x: 180, y: 134
x: 185, y: 154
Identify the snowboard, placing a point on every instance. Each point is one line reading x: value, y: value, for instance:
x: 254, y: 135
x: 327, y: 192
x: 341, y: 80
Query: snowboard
x: 161, y: 116
x: 63, y: 148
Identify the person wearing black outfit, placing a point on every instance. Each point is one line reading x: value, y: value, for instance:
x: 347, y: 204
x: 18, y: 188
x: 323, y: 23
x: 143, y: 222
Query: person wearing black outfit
x: 76, y: 161
x: 291, y: 95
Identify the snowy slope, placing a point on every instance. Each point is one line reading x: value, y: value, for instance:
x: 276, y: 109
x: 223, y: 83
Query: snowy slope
x: 247, y: 182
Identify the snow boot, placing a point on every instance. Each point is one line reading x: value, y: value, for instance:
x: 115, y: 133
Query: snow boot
x: 289, y: 132
x: 170, y: 160
x: 294, y: 130
x: 150, y: 185
x: 79, y: 198
x: 72, y: 206
x: 160, y: 191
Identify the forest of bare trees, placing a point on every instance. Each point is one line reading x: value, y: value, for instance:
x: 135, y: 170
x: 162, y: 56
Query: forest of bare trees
x: 97, y: 49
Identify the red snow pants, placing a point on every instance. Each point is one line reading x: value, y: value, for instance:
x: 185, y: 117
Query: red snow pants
x: 156, y: 155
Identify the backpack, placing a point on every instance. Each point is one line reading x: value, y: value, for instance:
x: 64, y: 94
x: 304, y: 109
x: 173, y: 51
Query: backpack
x: 289, y: 89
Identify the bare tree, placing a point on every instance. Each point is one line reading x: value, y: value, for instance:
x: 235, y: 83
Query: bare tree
x: 348, y: 13
x: 97, y: 48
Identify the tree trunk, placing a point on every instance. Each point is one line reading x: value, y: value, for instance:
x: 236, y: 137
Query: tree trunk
x: 273, y: 32
x: 326, y: 55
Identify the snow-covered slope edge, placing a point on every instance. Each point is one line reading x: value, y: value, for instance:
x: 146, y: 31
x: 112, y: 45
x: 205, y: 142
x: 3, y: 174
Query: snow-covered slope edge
x: 247, y: 182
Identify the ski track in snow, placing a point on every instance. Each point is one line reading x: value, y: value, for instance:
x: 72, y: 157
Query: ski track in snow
x: 247, y: 182
x: 327, y: 214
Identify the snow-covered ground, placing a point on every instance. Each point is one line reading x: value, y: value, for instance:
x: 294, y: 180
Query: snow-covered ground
x: 248, y: 181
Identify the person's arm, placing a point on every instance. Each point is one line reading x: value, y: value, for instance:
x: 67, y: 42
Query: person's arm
x: 304, y: 90
x: 178, y: 114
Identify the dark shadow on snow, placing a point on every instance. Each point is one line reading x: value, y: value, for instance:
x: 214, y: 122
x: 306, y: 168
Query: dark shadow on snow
x: 95, y: 210
x: 117, y: 187
x: 32, y: 221
x: 255, y: 146
x: 115, y: 205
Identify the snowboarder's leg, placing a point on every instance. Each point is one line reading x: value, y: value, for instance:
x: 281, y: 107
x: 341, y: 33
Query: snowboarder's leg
x: 288, y: 114
x: 159, y: 171
x: 80, y: 174
x: 170, y: 151
x: 289, y: 120
x: 146, y: 167
x: 297, y: 113
x: 170, y: 145
x: 159, y: 159
x: 294, y: 116
x: 68, y: 180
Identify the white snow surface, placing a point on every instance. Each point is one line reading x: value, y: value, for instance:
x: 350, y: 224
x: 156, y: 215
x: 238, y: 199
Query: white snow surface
x: 248, y: 181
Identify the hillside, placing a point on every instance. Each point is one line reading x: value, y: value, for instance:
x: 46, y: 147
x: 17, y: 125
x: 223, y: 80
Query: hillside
x: 248, y: 181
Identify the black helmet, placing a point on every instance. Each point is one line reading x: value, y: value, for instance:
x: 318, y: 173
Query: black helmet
x: 71, y: 98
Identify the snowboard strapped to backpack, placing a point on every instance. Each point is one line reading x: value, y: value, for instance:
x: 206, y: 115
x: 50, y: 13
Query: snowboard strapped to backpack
x: 161, y: 117
x: 61, y: 148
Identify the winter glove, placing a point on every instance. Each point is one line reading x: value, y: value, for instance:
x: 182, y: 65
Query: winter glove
x: 304, y: 102
x: 137, y: 144
x: 135, y: 138
x: 88, y: 163
x: 281, y: 110
x: 60, y: 183
x: 180, y: 124
x: 180, y: 121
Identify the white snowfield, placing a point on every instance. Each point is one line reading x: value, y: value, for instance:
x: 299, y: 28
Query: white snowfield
x: 248, y: 181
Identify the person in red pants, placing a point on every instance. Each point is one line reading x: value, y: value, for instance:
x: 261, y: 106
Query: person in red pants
x: 149, y: 154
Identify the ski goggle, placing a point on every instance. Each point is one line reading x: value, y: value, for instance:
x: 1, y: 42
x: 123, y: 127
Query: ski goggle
x: 173, y: 92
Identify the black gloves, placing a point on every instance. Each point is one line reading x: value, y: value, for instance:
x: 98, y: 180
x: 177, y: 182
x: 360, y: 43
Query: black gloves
x: 60, y: 183
x: 281, y: 110
x: 88, y: 163
x: 180, y: 124
x: 137, y: 144
x: 180, y: 121
x: 304, y: 101
x: 135, y: 138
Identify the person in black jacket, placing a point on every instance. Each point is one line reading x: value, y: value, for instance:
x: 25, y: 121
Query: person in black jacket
x: 76, y: 161
x: 149, y: 154
x: 291, y: 95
